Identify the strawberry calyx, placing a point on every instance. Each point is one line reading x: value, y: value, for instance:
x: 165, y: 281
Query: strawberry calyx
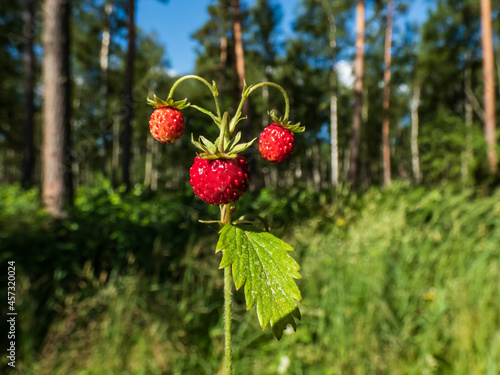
x: 169, y: 102
x: 282, y: 121
x: 230, y: 150
x: 225, y: 146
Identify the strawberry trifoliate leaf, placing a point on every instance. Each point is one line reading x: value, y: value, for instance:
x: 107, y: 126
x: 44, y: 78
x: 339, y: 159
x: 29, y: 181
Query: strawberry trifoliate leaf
x: 261, y: 262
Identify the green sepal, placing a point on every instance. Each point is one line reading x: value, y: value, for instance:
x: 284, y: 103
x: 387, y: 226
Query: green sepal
x: 209, y: 145
x: 169, y: 102
x: 212, y: 157
x: 261, y: 262
x: 236, y: 149
x: 201, y: 146
x: 294, y: 128
x: 232, y: 142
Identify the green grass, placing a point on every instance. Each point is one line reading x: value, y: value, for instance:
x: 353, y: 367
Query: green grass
x: 405, y: 281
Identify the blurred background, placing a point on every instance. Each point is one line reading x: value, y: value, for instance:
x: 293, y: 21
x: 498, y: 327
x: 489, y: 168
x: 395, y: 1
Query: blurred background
x: 390, y: 199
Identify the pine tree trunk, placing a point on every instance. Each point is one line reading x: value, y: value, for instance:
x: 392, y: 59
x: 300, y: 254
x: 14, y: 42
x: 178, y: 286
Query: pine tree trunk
x: 29, y: 84
x: 354, y: 143
x: 334, y: 140
x: 129, y: 81
x: 386, y: 154
x: 333, y: 98
x: 239, y: 54
x: 238, y: 44
x: 57, y: 189
x: 223, y: 63
x: 415, y: 158
x: 104, y: 63
x: 489, y: 86
x: 498, y: 65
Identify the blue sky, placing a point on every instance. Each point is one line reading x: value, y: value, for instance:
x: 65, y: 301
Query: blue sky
x: 175, y: 22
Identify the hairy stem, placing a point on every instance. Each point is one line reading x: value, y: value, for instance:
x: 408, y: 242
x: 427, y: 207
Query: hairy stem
x: 227, y: 319
x: 247, y: 92
x: 212, y: 88
x: 226, y: 219
x: 285, y: 96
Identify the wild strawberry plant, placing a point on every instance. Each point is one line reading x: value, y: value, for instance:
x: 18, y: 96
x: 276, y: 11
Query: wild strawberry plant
x: 220, y: 176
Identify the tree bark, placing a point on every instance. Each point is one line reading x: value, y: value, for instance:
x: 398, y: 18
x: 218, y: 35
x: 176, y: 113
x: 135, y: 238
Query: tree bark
x: 334, y: 180
x: 57, y: 188
x: 415, y: 158
x: 104, y: 63
x: 223, y: 62
x: 29, y: 84
x: 358, y: 94
x: 129, y: 81
x: 239, y: 54
x: 386, y: 154
x: 489, y: 86
x: 238, y: 44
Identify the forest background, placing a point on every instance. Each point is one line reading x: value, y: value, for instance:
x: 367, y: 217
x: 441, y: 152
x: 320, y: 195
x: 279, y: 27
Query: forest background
x: 390, y: 199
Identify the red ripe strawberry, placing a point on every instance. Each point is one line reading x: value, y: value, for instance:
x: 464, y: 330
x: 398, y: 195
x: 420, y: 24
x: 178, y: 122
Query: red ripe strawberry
x: 276, y: 143
x: 166, y: 124
x: 219, y: 181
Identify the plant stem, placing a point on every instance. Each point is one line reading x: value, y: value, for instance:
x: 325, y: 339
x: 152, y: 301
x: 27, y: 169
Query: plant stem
x: 212, y: 88
x: 226, y: 219
x: 227, y: 319
x: 285, y: 96
x: 247, y: 92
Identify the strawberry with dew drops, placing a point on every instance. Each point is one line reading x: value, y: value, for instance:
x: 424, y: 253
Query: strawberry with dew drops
x: 219, y: 174
x: 167, y: 122
x: 276, y: 141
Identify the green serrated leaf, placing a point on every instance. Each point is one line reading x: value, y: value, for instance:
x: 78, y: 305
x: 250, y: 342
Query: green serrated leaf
x: 261, y: 262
